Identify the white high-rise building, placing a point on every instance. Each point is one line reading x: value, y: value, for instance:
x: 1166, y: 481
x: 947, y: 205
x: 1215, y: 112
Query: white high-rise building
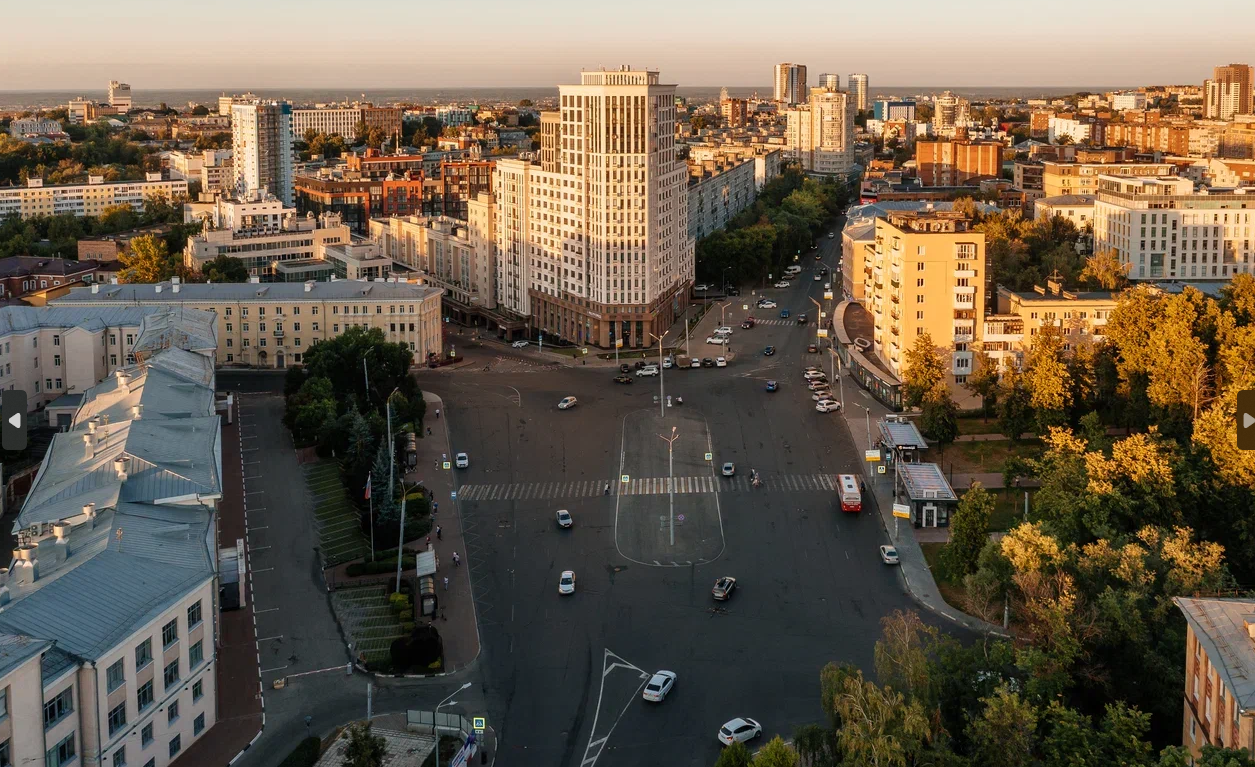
x: 830, y: 81
x: 821, y: 133
x: 594, y: 243
x: 341, y: 120
x: 261, y: 135
x: 858, y: 89
x: 789, y: 83
x: 120, y: 96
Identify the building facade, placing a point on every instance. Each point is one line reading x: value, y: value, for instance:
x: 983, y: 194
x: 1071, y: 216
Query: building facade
x: 261, y: 134
x: 1219, y: 699
x: 357, y: 201
x: 1230, y: 92
x: 717, y: 192
x: 1123, y: 100
x: 120, y: 96
x: 954, y: 163
x: 90, y: 199
x: 1064, y: 178
x: 858, y: 89
x: 789, y: 83
x: 820, y: 135
x: 265, y: 236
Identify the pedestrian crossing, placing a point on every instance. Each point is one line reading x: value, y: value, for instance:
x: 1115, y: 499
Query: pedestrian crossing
x: 778, y: 322
x: 526, y: 491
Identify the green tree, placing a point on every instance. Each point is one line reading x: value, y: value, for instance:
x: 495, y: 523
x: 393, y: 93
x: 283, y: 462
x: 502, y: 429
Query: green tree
x: 347, y: 359
x: 924, y: 370
x: 382, y: 491
x: 735, y: 755
x: 879, y: 726
x: 1238, y: 298
x: 1104, y: 271
x: 1212, y: 756
x: 1045, y: 377
x: 147, y: 261
x: 226, y: 268
x: 816, y: 745
x: 1005, y: 733
x: 776, y: 753
x: 365, y: 749
x: 903, y: 655
x: 983, y: 382
x: 969, y: 531
x: 200, y: 110
x: 940, y: 416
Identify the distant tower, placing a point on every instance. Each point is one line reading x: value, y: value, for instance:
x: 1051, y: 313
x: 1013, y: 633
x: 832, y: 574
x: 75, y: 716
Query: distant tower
x: 858, y: 89
x: 723, y: 94
x: 119, y: 96
x: 261, y: 136
x: 829, y: 81
x: 789, y: 84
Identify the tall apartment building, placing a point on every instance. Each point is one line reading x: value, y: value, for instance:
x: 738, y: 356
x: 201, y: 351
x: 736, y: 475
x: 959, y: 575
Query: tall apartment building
x: 272, y: 325
x: 225, y: 102
x: 1219, y: 695
x: 954, y: 163
x: 1122, y: 100
x: 597, y: 251
x: 829, y: 81
x: 858, y: 89
x: 929, y: 275
x: 120, y: 96
x: 1229, y: 92
x: 90, y: 199
x: 789, y: 83
x: 884, y: 109
x: 820, y: 134
x: 261, y: 135
x: 735, y: 112
x: 718, y: 191
x: 949, y: 111
x: 1062, y: 178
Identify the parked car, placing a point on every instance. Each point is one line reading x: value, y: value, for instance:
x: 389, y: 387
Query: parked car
x: 519, y: 344
x: 667, y: 362
x: 729, y: 469
x: 695, y: 363
x: 567, y: 403
x: 658, y: 686
x: 815, y: 384
x: 462, y: 461
x: 724, y: 331
x: 717, y: 340
x: 812, y: 373
x: 564, y: 518
x: 889, y: 555
x: 772, y: 386
x: 639, y: 364
x: 721, y: 362
x: 784, y: 314
x: 827, y: 405
x: 707, y: 362
x: 624, y: 368
x: 821, y: 393
x: 766, y: 303
x: 723, y: 588
x: 769, y: 351
x: 648, y: 370
x: 624, y: 378
x: 566, y: 582
x: 782, y: 284
x: 739, y: 730
x: 702, y: 287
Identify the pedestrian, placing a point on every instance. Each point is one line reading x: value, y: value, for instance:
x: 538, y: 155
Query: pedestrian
x: 435, y: 506
x: 429, y: 431
x: 446, y: 583
x: 437, y: 414
x: 456, y: 559
x: 607, y: 488
x: 429, y: 541
x: 438, y: 533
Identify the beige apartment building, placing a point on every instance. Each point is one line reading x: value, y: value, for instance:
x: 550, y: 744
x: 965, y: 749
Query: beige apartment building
x: 449, y: 253
x: 1219, y: 684
x: 821, y: 133
x: 928, y: 276
x: 271, y: 325
x: 274, y: 243
x: 90, y: 199
x: 1060, y: 178
x: 1080, y: 316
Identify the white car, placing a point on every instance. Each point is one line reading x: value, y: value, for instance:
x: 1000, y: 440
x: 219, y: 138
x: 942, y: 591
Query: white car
x: 818, y: 277
x: 827, y: 286
x: 717, y: 340
x: 729, y: 469
x: 567, y: 403
x: 648, y: 370
x: 723, y: 331
x: 827, y: 405
x: 519, y: 344
x: 702, y: 287
x: 739, y: 730
x: 564, y: 518
x: 668, y: 361
x: 720, y: 362
x: 811, y: 375
x: 766, y: 304
x: 462, y: 461
x: 821, y: 393
x: 889, y: 555
x: 831, y: 235
x: 566, y: 582
x: 782, y: 284
x: 658, y: 686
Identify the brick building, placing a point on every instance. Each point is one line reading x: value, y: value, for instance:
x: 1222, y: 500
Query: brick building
x: 953, y: 163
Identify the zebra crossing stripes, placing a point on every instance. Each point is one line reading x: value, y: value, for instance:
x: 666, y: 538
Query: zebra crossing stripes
x: 528, y: 491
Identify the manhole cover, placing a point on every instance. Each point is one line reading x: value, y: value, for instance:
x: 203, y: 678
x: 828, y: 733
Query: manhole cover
x: 679, y: 517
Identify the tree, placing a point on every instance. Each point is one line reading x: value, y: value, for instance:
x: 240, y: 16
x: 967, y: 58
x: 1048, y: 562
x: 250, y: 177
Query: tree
x: 147, y: 261
x: 969, y: 531
x: 364, y: 749
x: 343, y: 359
x: 525, y: 102
x: 924, y: 370
x: 902, y: 654
x: 226, y: 268
x: 879, y: 726
x: 1238, y: 298
x: 1045, y: 376
x: 776, y: 753
x: 983, y: 382
x: 1005, y: 733
x: 940, y: 416
x: 1104, y: 270
x: 815, y: 744
x: 200, y: 110
x: 382, y: 495
x: 735, y: 755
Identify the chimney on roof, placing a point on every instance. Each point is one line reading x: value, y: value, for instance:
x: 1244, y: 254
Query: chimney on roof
x: 137, y: 411
x: 25, y: 565
x: 120, y: 465
x: 124, y: 379
x: 61, y: 548
x: 157, y: 287
x: 89, y: 437
x: 309, y: 285
x: 95, y: 287
x: 175, y: 287
x: 254, y: 280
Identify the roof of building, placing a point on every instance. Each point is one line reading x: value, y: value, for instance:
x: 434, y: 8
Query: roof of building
x: 192, y: 330
x: 21, y: 266
x: 1067, y: 200
x: 925, y: 482
x: 16, y: 649
x: 1065, y: 295
x: 65, y: 401
x: 337, y: 290
x: 902, y: 434
x: 1220, y: 624
x: 21, y: 319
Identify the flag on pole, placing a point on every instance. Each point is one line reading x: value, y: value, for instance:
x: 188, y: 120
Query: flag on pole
x: 367, y: 496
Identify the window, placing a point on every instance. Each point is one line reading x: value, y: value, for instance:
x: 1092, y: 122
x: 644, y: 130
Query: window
x: 146, y: 735
x: 193, y: 615
x: 62, y: 753
x: 113, y: 358
x: 170, y: 633
x: 171, y: 676
x: 176, y: 745
x: 245, y: 327
x: 115, y: 676
x: 143, y: 654
x: 4, y: 704
x: 144, y: 695
x: 56, y: 340
x: 296, y: 326
x: 119, y: 757
x: 228, y: 312
x: 117, y: 718
x: 198, y: 724
x: 59, y: 707
x: 315, y: 327
x: 230, y: 357
x: 198, y: 690
x: 151, y: 762
x: 228, y: 327
x: 196, y: 654
x: 172, y: 712
x: 6, y: 758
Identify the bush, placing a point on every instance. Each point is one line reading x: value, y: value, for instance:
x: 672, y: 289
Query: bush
x: 420, y: 649
x: 379, y: 566
x: 305, y: 754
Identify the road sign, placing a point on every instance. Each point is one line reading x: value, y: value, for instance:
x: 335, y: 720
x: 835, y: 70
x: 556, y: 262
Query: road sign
x: 880, y: 469
x: 871, y: 456
x: 479, y: 724
x: 445, y: 465
x: 822, y: 332
x: 710, y: 456
x: 625, y: 479
x: 679, y: 517
x: 901, y: 511
x: 618, y: 343
x: 453, y: 495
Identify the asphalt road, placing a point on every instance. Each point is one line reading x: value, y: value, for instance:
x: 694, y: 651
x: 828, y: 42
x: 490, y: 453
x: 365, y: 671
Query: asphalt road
x: 562, y: 674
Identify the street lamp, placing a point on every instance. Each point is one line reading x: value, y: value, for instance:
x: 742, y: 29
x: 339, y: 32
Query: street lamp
x: 671, y: 479
x: 722, y: 310
x: 662, y: 405
x: 435, y: 719
x: 401, y: 535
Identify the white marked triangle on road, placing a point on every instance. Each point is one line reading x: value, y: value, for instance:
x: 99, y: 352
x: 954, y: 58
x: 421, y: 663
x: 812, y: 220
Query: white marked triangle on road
x: 1247, y: 420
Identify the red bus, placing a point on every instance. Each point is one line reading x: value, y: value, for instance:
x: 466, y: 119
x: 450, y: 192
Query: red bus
x: 851, y: 498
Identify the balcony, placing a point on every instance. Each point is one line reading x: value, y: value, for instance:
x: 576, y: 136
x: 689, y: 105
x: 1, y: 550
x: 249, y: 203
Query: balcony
x: 894, y: 314
x: 893, y: 329
x: 894, y: 298
x: 965, y: 273
x: 278, y: 332
x: 895, y: 284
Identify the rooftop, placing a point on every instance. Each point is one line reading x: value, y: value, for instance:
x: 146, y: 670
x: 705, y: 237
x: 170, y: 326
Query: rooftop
x: 22, y: 266
x: 902, y: 434
x: 925, y: 482
x: 162, y: 292
x: 1223, y: 627
x: 1067, y: 199
x: 23, y: 319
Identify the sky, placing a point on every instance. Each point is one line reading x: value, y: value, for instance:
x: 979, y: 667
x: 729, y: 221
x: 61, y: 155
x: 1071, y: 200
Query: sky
x: 238, y: 44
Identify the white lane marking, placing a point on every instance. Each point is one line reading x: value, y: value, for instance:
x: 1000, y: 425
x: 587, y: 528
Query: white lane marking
x: 606, y: 668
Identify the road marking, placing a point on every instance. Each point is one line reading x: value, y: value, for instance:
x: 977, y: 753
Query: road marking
x: 701, y: 484
x: 606, y: 668
x: 267, y: 610
x: 276, y: 668
x: 270, y: 639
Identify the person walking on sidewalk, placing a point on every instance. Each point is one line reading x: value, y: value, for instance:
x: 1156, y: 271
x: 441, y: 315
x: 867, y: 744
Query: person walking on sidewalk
x: 435, y: 506
x: 446, y: 583
x: 456, y: 559
x: 437, y: 414
x: 438, y: 533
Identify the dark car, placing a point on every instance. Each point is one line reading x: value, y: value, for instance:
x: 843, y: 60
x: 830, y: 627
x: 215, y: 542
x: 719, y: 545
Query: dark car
x: 732, y: 290
x: 624, y: 379
x: 812, y: 348
x: 770, y: 350
x: 784, y: 314
x: 624, y: 368
x: 723, y: 588
x: 823, y: 272
x: 801, y: 319
x: 707, y: 362
x: 771, y: 386
x: 640, y: 364
x: 747, y: 323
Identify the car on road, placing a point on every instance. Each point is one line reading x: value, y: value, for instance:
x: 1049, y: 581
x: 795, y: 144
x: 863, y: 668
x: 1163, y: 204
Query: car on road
x: 724, y: 331
x: 827, y: 405
x: 721, y: 362
x: 812, y: 348
x: 747, y: 323
x: 784, y: 314
x: 769, y: 351
x: 822, y: 392
x: 564, y: 518
x: 729, y: 469
x: 723, y: 588
x: 566, y: 582
x: 772, y: 386
x: 707, y: 362
x: 827, y: 286
x: 812, y: 374
x: 717, y: 340
x: 566, y: 403
x: 519, y: 344
x: 801, y: 319
x: 732, y: 290
x: 889, y: 555
x: 739, y: 730
x: 640, y: 364
x: 658, y: 686
x: 766, y: 303
x: 831, y: 235
x: 781, y: 284
x: 648, y: 370
x: 702, y: 287
x: 624, y: 368
x: 668, y: 362
x: 624, y: 378
x: 817, y: 277
x: 462, y: 461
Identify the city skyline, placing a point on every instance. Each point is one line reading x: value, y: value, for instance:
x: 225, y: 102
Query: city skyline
x: 519, y: 52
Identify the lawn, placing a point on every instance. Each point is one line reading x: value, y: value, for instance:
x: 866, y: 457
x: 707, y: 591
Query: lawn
x: 986, y: 457
x: 950, y: 591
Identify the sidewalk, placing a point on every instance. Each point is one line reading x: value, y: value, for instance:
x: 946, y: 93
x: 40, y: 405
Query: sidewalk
x: 456, y: 621
x: 912, y: 565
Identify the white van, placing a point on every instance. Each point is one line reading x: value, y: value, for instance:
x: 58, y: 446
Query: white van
x: 793, y: 270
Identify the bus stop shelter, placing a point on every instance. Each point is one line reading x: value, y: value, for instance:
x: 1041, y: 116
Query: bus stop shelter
x: 924, y: 488
x: 900, y: 440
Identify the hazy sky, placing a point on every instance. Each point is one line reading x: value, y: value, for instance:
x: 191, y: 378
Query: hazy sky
x: 80, y: 44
